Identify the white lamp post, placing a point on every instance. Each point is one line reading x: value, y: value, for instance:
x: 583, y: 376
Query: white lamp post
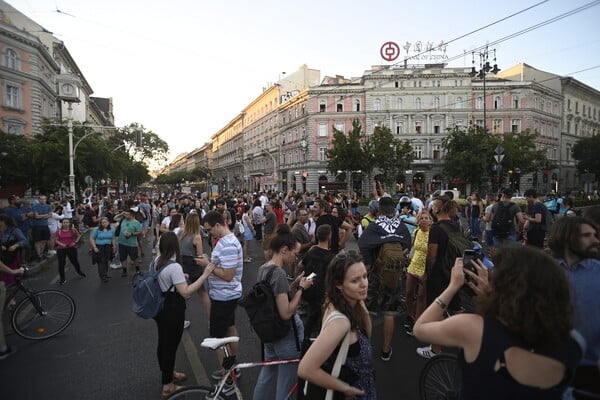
x: 68, y: 91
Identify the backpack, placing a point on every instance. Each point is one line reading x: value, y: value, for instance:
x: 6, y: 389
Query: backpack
x: 457, y: 243
x: 118, y: 228
x: 390, y: 261
x: 502, y: 223
x: 262, y: 311
x: 148, y: 298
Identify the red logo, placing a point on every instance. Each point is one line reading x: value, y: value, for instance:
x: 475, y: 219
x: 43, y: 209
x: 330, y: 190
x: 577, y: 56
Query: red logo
x: 389, y: 51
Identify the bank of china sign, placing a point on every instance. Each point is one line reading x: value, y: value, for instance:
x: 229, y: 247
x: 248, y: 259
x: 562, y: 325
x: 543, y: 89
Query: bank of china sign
x: 417, y: 52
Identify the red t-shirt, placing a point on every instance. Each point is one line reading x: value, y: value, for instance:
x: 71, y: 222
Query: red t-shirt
x: 66, y: 237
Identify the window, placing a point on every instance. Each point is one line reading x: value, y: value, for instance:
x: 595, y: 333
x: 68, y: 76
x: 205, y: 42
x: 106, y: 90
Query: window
x: 568, y: 153
x: 437, y: 152
x: 497, y: 102
x: 515, y: 126
x: 377, y: 104
x: 418, y: 103
x: 459, y: 102
x: 479, y: 103
x: 418, y: 127
x: 569, y: 104
x: 339, y: 107
x: 322, y: 106
x: 12, y: 96
x: 397, y: 84
x: 568, y: 126
x: 515, y: 101
x: 436, y: 102
x: 459, y: 123
x: 339, y: 125
x: 576, y: 107
x: 303, y: 109
x: 14, y: 126
x: 322, y: 153
x: 436, y: 128
x: 418, y: 152
x: 357, y: 105
x: 10, y: 59
x: 399, y: 103
x: 576, y: 129
x: 479, y: 123
x: 399, y: 128
x: 542, y: 104
x: 497, y: 126
x: 322, y: 128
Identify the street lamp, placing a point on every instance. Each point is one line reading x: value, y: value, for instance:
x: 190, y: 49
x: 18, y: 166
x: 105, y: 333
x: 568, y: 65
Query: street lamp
x: 274, y: 164
x: 68, y: 91
x: 484, y: 69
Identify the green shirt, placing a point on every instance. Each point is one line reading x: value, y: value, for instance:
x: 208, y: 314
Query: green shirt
x: 129, y: 226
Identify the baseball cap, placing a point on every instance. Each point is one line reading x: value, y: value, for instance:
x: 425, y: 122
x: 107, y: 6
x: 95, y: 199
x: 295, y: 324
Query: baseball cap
x: 373, y: 206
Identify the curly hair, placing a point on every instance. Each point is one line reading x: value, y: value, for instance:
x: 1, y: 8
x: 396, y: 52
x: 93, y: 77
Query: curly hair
x: 530, y: 296
x: 336, y: 273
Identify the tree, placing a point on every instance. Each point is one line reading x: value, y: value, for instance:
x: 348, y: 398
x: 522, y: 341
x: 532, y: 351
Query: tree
x: 15, y: 166
x: 471, y: 152
x: 391, y: 156
x: 346, y: 153
x: 586, y: 151
x: 154, y: 150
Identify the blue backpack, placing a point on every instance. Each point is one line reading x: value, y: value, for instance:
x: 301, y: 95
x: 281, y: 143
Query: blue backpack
x: 148, y: 298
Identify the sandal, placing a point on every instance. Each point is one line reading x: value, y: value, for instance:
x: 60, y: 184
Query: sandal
x: 179, y: 376
x: 170, y: 390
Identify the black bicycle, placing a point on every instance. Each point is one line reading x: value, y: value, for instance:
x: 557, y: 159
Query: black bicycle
x: 41, y: 314
x: 441, y: 378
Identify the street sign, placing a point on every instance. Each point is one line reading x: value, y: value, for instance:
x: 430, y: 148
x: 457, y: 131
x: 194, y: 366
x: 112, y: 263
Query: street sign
x: 499, y: 158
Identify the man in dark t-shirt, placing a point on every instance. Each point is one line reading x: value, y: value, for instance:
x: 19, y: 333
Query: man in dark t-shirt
x: 316, y: 260
x: 323, y: 213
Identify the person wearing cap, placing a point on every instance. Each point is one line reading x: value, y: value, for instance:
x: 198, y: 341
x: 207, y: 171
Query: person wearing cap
x: 407, y: 214
x: 387, y: 228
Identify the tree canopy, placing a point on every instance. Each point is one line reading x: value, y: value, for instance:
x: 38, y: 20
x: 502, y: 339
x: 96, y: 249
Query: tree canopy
x: 586, y: 151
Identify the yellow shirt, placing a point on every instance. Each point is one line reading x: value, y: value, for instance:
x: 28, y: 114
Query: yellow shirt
x: 417, y: 263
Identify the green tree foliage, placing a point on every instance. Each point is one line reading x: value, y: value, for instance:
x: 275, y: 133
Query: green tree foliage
x: 197, y: 174
x: 586, y: 151
x: 42, y: 162
x: 470, y: 152
x: 391, y: 156
x: 346, y: 153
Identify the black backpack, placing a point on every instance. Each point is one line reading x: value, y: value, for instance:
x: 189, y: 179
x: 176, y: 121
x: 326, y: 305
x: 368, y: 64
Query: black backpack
x: 502, y: 223
x: 262, y: 311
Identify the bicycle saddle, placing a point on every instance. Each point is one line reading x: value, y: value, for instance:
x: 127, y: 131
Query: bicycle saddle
x: 215, y: 343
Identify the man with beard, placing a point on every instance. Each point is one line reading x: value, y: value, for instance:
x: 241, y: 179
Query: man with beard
x: 575, y: 242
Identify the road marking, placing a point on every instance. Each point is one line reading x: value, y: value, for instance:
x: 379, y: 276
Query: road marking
x: 192, y: 354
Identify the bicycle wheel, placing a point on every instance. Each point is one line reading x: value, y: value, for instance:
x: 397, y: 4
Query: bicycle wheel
x: 55, y: 314
x: 195, y: 393
x: 441, y: 378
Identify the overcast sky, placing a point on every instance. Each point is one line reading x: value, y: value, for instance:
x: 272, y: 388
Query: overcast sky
x: 185, y: 68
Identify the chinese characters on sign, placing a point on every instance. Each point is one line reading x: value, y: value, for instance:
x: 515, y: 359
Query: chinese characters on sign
x: 418, y: 51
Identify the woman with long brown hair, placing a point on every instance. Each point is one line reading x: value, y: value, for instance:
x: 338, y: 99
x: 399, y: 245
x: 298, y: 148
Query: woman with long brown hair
x: 190, y: 241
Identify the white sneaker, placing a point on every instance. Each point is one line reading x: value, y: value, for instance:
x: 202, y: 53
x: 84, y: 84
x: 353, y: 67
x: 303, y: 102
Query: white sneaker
x: 51, y: 252
x: 186, y: 324
x: 426, y: 352
x: 153, y: 250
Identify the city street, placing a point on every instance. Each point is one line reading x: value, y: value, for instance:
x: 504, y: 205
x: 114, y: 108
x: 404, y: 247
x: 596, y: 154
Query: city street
x: 109, y: 353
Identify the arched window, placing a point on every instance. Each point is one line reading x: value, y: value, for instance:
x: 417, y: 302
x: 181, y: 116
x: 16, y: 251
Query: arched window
x: 479, y: 103
x: 458, y: 103
x: 436, y: 102
x: 399, y: 103
x: 497, y: 102
x: 356, y: 105
x: 322, y: 106
x: 418, y: 103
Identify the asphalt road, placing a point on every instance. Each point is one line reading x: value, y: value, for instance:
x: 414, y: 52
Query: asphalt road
x: 109, y: 353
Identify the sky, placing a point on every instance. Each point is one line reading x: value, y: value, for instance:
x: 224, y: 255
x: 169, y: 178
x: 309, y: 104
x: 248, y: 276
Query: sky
x: 186, y: 68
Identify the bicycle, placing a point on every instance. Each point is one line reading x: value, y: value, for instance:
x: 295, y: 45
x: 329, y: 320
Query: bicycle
x: 226, y: 387
x: 441, y: 378
x: 41, y: 314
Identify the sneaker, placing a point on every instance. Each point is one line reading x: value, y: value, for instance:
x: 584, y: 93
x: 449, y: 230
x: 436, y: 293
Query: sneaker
x: 426, y: 352
x: 186, y: 324
x: 153, y: 251
x: 82, y: 274
x: 8, y: 352
x: 218, y: 374
x: 409, y: 330
x: 51, y: 252
x: 386, y: 355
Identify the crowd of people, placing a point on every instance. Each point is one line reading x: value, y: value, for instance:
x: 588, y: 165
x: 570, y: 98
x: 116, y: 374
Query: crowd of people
x: 518, y: 325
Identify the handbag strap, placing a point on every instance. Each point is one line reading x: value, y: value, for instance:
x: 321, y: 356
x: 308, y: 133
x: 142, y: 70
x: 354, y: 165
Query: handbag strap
x: 342, y: 354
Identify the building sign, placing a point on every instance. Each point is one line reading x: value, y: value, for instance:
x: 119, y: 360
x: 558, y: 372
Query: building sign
x: 288, y: 95
x: 416, y: 52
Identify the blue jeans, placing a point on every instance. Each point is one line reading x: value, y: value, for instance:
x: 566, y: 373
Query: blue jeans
x: 286, y: 374
x: 503, y: 241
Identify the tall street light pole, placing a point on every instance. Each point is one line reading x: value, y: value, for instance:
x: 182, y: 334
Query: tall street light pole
x: 68, y: 91
x: 484, y: 69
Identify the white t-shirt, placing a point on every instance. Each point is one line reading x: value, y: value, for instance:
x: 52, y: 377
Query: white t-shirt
x: 68, y: 210
x: 488, y: 212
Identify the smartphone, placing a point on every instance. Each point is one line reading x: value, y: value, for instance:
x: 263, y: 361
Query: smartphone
x: 311, y: 276
x: 468, y: 256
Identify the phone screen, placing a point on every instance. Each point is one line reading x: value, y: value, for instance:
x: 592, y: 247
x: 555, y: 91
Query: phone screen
x: 468, y: 256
